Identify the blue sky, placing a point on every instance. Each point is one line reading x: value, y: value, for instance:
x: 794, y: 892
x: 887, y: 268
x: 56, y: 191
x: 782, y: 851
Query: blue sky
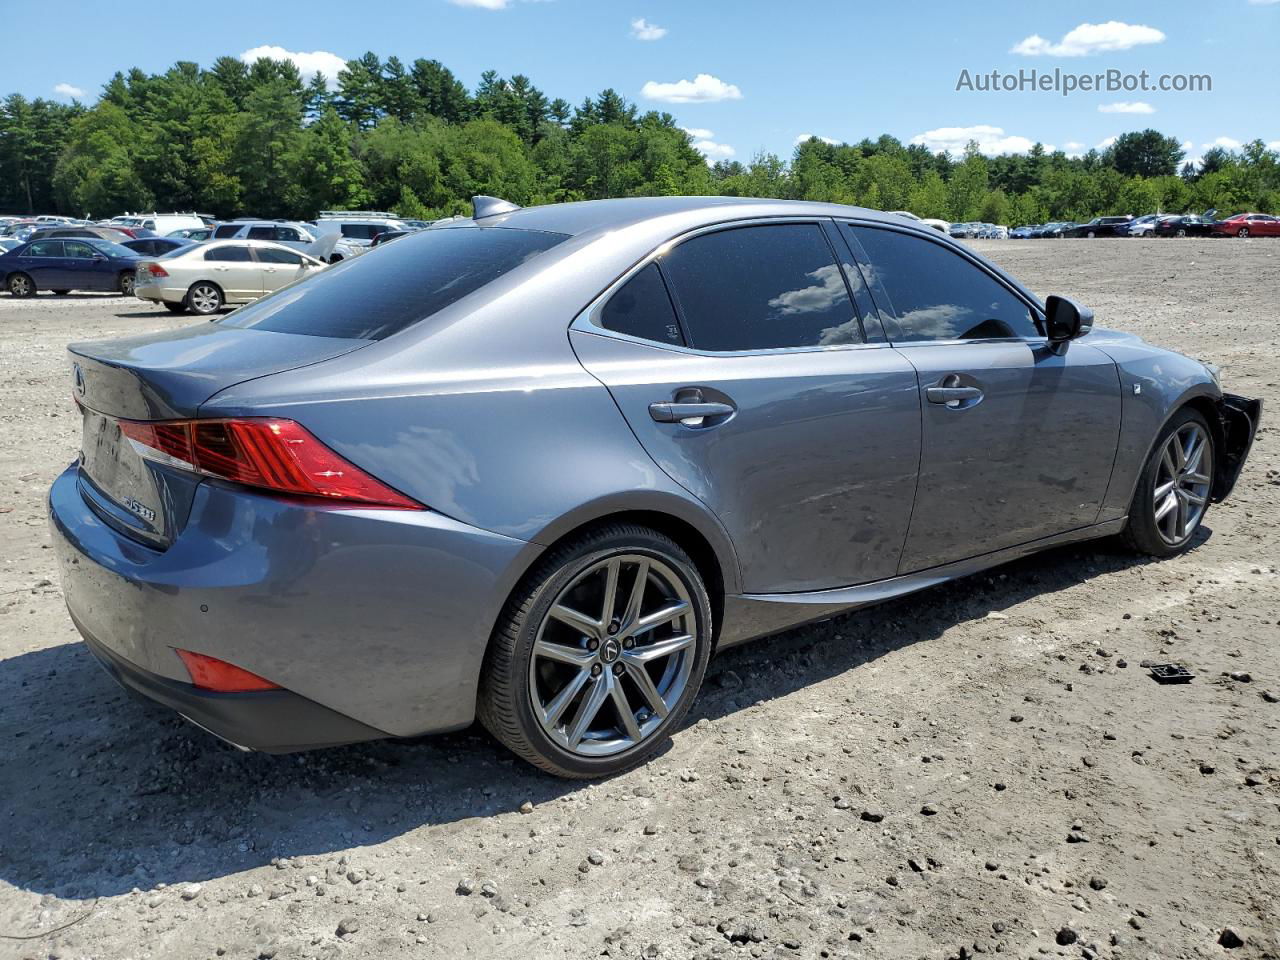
x: 757, y: 74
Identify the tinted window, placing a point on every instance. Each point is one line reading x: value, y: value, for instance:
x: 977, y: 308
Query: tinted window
x: 938, y: 294
x: 235, y: 254
x: 45, y: 248
x: 361, y: 231
x: 287, y: 233
x: 226, y: 230
x: 262, y: 233
x: 641, y: 308
x: 271, y: 255
x: 81, y: 251
x: 372, y: 297
x: 756, y: 288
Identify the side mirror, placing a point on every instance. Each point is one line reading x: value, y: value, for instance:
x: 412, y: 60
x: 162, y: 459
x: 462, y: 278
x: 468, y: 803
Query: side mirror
x: 1066, y: 320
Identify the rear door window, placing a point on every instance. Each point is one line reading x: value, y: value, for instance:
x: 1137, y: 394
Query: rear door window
x: 262, y: 233
x: 762, y: 288
x: 45, y: 248
x: 936, y: 294
x: 642, y: 308
x: 361, y: 231
x: 226, y: 231
x: 234, y: 254
x: 369, y: 298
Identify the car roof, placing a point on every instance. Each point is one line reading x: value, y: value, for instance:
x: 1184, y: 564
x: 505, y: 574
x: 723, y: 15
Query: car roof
x: 597, y: 216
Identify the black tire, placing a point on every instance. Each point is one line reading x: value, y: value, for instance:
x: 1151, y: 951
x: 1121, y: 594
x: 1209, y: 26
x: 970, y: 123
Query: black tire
x: 1181, y: 232
x: 175, y: 307
x: 204, y: 298
x: 20, y: 285
x: 1090, y: 234
x: 1243, y: 233
x: 504, y: 705
x: 1141, y: 533
x: 124, y: 283
x: 61, y: 293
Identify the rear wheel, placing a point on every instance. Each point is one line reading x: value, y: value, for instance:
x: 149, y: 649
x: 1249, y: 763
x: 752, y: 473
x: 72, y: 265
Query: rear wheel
x: 20, y: 285
x: 125, y: 283
x: 175, y: 307
x: 1181, y: 232
x: 1173, y: 493
x: 204, y: 298
x: 599, y: 654
x: 1243, y: 233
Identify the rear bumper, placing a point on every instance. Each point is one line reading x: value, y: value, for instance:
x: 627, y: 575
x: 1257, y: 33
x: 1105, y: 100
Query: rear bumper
x: 380, y: 616
x: 272, y: 721
x: 156, y: 293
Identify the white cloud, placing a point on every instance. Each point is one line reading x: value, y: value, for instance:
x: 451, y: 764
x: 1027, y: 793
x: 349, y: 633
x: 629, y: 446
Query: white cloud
x: 698, y: 133
x: 805, y: 136
x: 1187, y: 145
x: 1125, y: 106
x: 704, y: 143
x: 1226, y: 143
x: 1274, y: 145
x: 68, y: 90
x: 703, y: 88
x: 1090, y: 38
x: 991, y: 140
x: 642, y: 29
x: 482, y: 4
x: 1073, y: 145
x: 1106, y: 143
x: 308, y: 64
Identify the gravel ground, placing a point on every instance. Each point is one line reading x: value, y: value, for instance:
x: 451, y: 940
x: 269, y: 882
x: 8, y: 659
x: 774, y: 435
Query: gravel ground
x: 980, y: 768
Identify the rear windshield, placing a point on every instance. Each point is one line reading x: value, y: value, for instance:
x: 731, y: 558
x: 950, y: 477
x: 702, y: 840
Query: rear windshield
x: 395, y: 286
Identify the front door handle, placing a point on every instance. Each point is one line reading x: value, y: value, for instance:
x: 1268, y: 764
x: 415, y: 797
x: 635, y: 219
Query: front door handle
x: 690, y: 414
x: 952, y: 394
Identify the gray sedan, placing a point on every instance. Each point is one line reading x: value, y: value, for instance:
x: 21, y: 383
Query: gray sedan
x: 538, y: 465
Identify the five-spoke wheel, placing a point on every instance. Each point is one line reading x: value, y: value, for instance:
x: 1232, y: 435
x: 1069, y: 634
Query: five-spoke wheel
x: 1174, y: 491
x: 600, y: 654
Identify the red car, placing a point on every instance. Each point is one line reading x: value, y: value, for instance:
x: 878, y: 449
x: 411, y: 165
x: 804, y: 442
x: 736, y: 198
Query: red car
x: 1248, y: 225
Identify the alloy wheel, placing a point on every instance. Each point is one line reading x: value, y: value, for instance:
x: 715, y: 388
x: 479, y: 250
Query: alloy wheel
x: 126, y: 284
x: 1244, y: 233
x: 20, y: 286
x: 613, y: 655
x: 204, y: 298
x: 1183, y: 481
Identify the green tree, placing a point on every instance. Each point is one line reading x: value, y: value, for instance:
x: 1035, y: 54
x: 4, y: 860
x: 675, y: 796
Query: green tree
x: 1148, y: 153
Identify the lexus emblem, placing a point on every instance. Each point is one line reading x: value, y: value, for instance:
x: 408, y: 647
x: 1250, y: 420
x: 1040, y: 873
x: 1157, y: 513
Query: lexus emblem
x: 77, y: 377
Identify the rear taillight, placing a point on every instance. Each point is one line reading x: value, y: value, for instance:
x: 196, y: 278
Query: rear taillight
x: 210, y: 673
x: 154, y: 269
x: 271, y: 454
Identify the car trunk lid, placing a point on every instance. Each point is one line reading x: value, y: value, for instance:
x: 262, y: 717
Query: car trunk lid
x: 166, y: 376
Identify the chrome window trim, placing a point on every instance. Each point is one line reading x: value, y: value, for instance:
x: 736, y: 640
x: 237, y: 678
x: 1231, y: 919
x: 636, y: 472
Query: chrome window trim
x: 588, y: 319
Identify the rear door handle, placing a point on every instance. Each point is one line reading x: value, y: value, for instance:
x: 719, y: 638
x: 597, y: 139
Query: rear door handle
x: 952, y: 394
x: 690, y: 414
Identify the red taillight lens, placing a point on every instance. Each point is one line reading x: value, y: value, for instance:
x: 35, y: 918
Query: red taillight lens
x: 210, y: 673
x: 273, y: 454
x: 155, y: 270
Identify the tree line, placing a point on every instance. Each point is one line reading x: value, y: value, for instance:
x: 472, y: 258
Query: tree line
x: 256, y: 139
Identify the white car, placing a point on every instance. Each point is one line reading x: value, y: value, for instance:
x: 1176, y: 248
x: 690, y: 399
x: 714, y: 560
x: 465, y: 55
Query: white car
x: 159, y: 223
x: 205, y: 277
x: 942, y: 226
x: 356, y: 227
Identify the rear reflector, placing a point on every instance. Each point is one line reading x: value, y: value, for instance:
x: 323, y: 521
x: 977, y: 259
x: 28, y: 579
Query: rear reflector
x: 271, y: 454
x: 209, y: 673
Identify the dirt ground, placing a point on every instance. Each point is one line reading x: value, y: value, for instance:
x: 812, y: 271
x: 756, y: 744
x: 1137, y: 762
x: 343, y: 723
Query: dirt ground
x: 980, y: 768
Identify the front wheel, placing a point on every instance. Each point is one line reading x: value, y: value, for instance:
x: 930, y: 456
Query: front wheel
x: 1091, y: 234
x: 599, y: 654
x: 1173, y: 492
x: 204, y: 298
x: 1181, y: 232
x: 20, y: 285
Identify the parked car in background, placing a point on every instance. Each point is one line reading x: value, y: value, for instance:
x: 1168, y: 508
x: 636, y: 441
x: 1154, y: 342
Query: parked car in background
x: 1186, y: 225
x: 1021, y: 232
x: 156, y: 246
x: 1101, y: 227
x: 191, y: 233
x: 510, y: 470
x: 90, y: 232
x: 160, y: 223
x: 991, y: 231
x: 66, y: 265
x: 1248, y: 225
x: 9, y: 243
x: 357, y: 228
x: 205, y: 277
x: 388, y: 235
x: 1057, y: 230
x: 291, y: 233
x: 1139, y: 226
x: 964, y: 230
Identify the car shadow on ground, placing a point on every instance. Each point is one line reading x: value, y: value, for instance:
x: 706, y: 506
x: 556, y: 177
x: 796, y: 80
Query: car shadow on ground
x: 103, y: 793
